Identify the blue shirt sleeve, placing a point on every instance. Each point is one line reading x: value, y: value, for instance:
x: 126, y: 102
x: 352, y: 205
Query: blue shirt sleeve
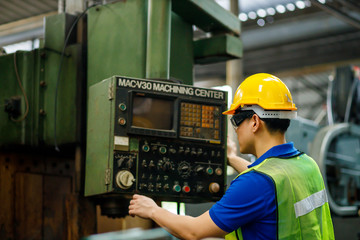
x: 249, y: 198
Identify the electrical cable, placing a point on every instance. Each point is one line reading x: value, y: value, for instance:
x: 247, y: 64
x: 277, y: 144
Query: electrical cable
x: 23, y: 92
x: 61, y: 61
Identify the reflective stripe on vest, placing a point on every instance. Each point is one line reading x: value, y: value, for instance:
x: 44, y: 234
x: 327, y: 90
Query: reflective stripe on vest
x: 302, y: 207
x: 310, y: 203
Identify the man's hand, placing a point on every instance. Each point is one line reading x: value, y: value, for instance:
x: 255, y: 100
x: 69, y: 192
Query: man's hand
x: 231, y: 149
x: 142, y: 206
x: 183, y: 227
x: 238, y: 163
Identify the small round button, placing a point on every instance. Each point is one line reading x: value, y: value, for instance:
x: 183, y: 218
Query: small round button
x: 122, y: 107
x: 186, y: 189
x: 209, y: 171
x: 176, y: 188
x: 218, y: 171
x: 122, y: 121
x: 162, y: 150
x: 145, y: 148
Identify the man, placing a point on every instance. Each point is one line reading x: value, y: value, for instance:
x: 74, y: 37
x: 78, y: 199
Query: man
x: 279, y: 196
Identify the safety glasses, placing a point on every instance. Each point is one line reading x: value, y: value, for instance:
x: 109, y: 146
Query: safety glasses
x: 238, y: 118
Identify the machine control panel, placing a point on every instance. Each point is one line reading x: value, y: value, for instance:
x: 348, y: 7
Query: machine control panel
x: 168, y: 139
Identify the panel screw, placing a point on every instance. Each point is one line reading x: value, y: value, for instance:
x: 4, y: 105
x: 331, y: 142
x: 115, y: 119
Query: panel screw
x: 42, y: 112
x: 42, y: 83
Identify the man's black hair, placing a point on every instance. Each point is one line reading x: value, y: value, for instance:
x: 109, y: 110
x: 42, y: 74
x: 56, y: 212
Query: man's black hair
x: 273, y: 124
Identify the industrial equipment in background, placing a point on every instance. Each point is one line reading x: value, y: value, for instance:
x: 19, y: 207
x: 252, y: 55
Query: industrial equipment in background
x: 336, y: 148
x: 161, y: 139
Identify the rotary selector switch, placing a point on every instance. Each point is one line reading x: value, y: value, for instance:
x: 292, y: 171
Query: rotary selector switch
x: 124, y: 179
x: 184, y: 169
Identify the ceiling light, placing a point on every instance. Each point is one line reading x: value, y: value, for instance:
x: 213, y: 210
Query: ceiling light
x: 271, y: 11
x: 261, y: 22
x: 322, y: 1
x: 261, y: 13
x: 300, y: 4
x: 243, y: 17
x: 252, y: 15
x: 290, y: 7
x: 280, y: 8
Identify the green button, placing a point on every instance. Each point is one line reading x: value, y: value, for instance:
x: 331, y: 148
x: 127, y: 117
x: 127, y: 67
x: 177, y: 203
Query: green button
x: 162, y: 150
x: 122, y: 106
x: 209, y: 170
x: 177, y: 188
x: 145, y: 148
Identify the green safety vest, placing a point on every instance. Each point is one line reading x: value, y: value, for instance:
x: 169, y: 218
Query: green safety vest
x: 302, y: 206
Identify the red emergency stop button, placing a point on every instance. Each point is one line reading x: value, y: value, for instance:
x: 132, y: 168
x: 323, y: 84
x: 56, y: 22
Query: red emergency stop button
x: 186, y: 189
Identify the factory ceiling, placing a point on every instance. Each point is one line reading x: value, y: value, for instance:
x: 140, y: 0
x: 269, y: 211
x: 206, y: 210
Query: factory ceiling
x: 277, y: 35
x: 15, y: 10
x: 273, y: 32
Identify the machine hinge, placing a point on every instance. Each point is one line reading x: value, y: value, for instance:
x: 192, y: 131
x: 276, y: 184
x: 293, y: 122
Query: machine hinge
x: 111, y: 90
x: 107, y: 176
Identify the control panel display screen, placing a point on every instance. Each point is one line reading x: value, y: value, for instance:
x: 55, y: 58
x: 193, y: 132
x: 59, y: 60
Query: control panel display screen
x: 200, y: 121
x: 152, y: 113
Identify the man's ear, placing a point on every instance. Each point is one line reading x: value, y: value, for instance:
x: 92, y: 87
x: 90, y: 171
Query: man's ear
x: 256, y: 122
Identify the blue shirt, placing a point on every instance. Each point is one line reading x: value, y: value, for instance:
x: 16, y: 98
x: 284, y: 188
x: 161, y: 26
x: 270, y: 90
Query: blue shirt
x: 249, y: 202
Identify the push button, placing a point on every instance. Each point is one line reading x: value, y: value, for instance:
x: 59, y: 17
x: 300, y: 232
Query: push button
x: 176, y: 188
x: 186, y: 189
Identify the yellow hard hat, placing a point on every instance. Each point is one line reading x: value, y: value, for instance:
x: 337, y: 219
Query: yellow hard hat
x: 264, y: 90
